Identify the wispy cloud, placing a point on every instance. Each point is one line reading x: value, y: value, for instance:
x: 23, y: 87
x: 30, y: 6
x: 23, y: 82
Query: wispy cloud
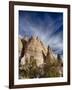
x: 48, y: 26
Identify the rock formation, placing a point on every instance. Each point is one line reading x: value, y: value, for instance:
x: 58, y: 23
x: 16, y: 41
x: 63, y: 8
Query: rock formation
x: 34, y: 49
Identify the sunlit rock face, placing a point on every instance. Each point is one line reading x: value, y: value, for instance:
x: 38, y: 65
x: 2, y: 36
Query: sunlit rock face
x: 46, y: 60
x: 50, y: 57
x: 34, y: 48
x: 20, y: 46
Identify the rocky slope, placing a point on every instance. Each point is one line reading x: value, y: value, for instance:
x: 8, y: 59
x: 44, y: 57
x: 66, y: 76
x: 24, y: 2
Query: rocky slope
x: 34, y: 47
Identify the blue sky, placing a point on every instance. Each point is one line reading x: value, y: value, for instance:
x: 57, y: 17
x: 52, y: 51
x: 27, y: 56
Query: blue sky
x: 48, y: 26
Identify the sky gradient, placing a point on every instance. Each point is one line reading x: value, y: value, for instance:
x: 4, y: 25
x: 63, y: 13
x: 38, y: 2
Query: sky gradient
x: 48, y: 26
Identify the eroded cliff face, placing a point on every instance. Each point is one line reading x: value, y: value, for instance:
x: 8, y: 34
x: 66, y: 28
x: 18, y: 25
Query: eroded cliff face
x: 20, y: 46
x: 33, y: 48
